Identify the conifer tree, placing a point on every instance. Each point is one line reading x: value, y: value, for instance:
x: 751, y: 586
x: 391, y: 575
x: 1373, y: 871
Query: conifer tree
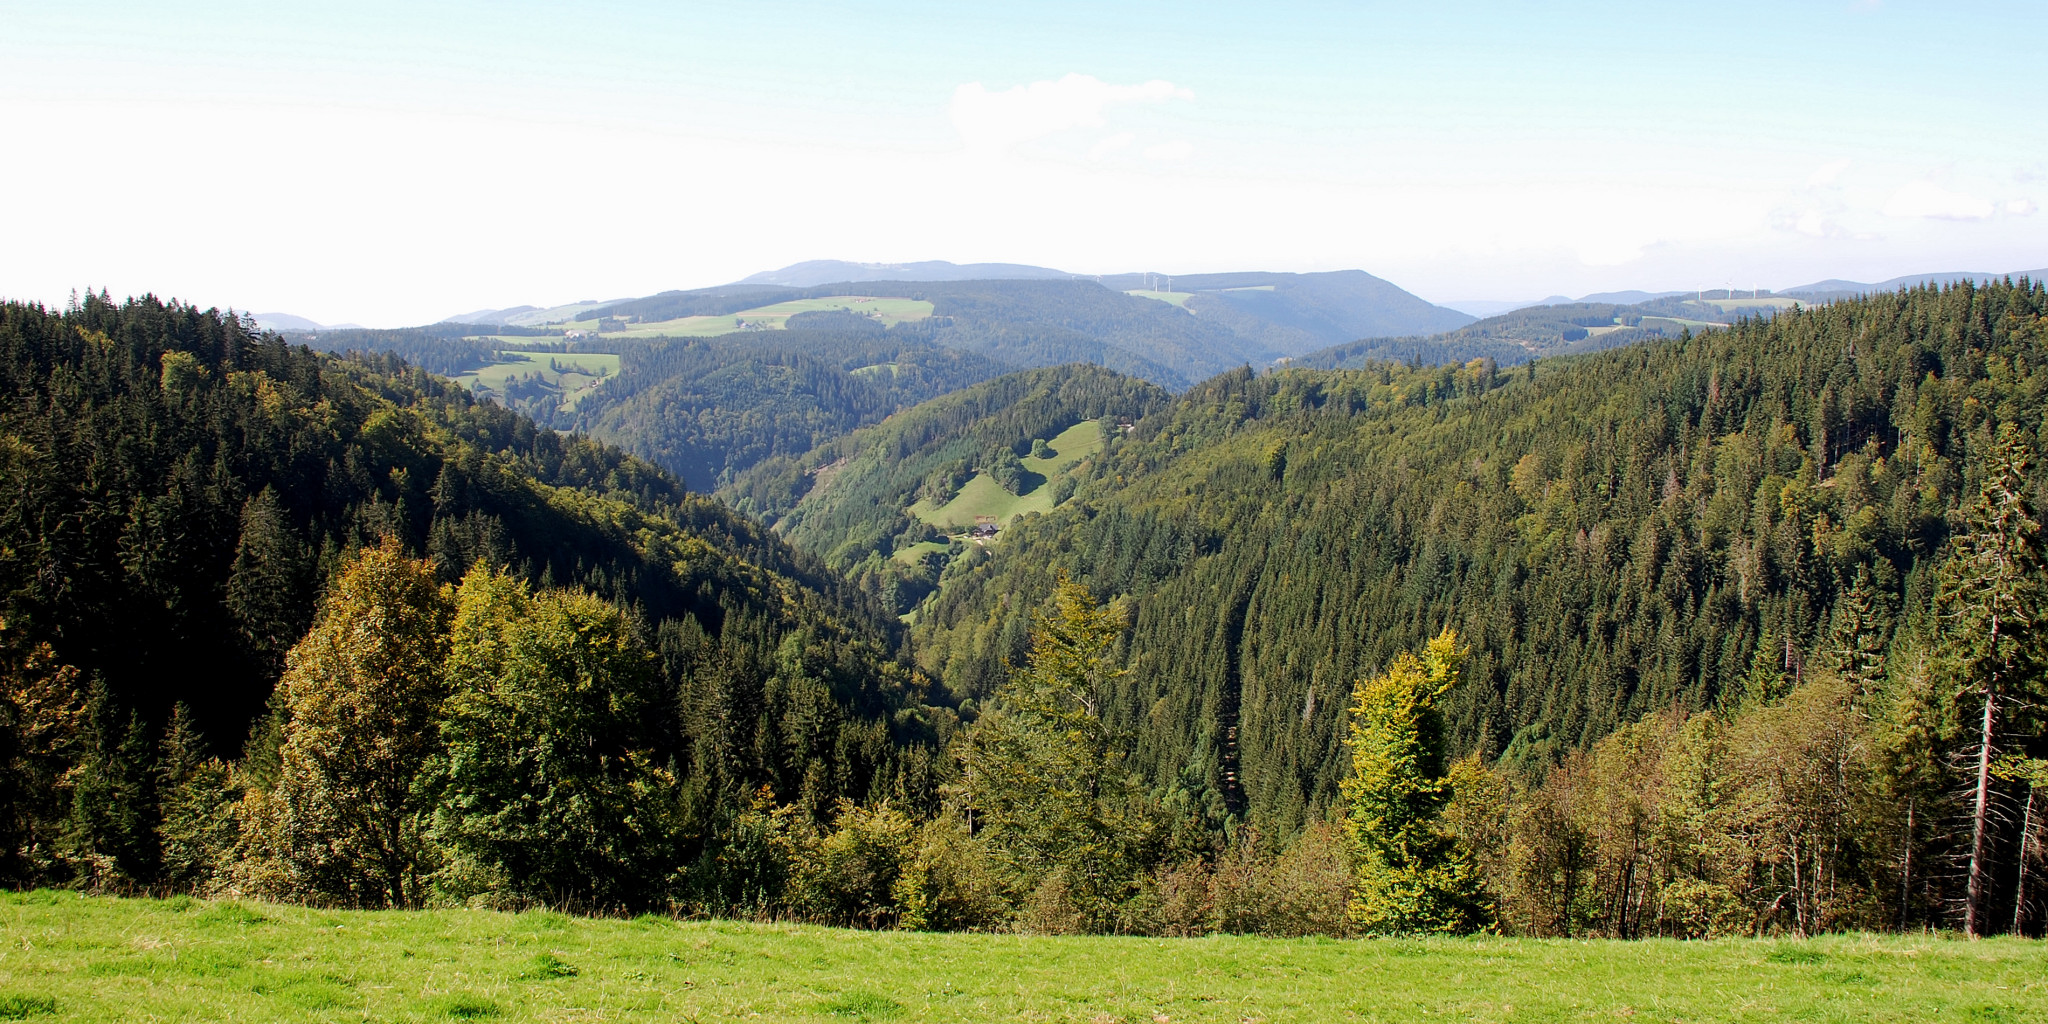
x: 195, y: 808
x: 1045, y: 774
x: 1991, y: 594
x: 109, y: 838
x: 1410, y: 875
x: 268, y: 585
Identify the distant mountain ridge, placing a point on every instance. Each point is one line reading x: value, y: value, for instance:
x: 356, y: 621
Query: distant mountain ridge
x: 1297, y: 313
x: 288, y: 322
x: 1026, y: 316
x: 812, y: 273
x: 1839, y: 289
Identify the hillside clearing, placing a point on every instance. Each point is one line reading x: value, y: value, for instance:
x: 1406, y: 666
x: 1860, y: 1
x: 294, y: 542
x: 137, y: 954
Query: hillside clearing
x: 982, y: 496
x: 75, y: 958
x: 577, y: 374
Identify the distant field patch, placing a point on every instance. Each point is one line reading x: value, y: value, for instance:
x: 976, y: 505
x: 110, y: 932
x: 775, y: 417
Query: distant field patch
x: 916, y: 552
x: 982, y: 496
x: 577, y: 374
x: 96, y: 958
x: 1673, y: 323
x: 883, y: 310
x: 1170, y: 298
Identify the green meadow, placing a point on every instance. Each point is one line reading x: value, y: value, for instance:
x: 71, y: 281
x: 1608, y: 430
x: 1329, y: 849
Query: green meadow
x: 576, y: 373
x: 1171, y: 298
x: 983, y: 496
x: 67, y: 957
x: 887, y: 311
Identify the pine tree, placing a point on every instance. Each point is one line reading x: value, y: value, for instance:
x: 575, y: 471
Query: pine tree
x: 1861, y: 634
x: 267, y: 587
x: 1410, y: 875
x: 1991, y: 594
x: 196, y: 807
x: 1045, y: 775
x: 109, y: 838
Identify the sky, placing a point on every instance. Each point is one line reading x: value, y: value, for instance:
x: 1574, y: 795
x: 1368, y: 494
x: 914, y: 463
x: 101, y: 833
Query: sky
x: 396, y: 163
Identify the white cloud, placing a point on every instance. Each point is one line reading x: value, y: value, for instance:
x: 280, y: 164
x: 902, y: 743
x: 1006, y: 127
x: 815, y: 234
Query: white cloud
x: 2020, y: 208
x: 1926, y: 199
x: 1110, y: 145
x: 1826, y: 174
x: 992, y: 122
x: 1176, y: 150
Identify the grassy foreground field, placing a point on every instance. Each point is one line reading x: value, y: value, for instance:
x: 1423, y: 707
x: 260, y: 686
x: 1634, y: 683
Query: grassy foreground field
x: 69, y: 957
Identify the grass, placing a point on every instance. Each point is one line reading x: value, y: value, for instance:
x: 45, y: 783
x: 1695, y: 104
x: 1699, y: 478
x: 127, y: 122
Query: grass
x: 915, y: 552
x: 1673, y: 323
x: 580, y: 373
x: 64, y: 957
x: 1171, y: 298
x: 983, y: 496
x: 887, y: 311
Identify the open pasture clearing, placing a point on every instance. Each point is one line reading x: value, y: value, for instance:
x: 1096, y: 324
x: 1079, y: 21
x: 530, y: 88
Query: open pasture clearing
x: 983, y: 496
x: 67, y: 957
x: 1170, y: 298
x: 775, y: 317
x: 576, y: 373
x: 1674, y: 323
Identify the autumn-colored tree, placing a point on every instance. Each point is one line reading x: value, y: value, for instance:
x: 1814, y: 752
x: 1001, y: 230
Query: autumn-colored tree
x: 1409, y: 874
x: 43, y: 717
x: 346, y: 822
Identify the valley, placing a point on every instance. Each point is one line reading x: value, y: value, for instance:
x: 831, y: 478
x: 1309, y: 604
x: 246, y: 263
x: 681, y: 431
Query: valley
x: 942, y: 644
x: 1383, y: 513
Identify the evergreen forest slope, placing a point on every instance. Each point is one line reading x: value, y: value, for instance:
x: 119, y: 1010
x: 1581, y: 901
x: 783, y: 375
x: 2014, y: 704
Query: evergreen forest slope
x: 181, y: 492
x: 709, y: 409
x: 1648, y: 528
x: 856, y: 501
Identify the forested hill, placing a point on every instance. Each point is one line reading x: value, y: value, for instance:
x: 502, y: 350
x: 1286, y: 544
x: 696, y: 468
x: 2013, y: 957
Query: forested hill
x: 892, y: 505
x: 1653, y: 527
x: 180, y: 492
x: 708, y: 409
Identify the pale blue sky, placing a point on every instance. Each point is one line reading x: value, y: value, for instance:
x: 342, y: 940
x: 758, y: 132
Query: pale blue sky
x: 395, y: 163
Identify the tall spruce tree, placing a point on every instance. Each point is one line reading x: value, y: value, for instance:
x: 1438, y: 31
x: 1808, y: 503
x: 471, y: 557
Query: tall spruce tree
x: 1991, y: 593
x: 1045, y: 775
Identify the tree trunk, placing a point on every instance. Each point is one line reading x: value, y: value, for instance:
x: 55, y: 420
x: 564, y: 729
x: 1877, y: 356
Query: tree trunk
x: 1906, y: 868
x: 1980, y: 813
x: 2019, y: 899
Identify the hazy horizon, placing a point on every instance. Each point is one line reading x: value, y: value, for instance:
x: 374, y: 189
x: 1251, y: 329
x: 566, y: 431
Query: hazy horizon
x: 394, y: 164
